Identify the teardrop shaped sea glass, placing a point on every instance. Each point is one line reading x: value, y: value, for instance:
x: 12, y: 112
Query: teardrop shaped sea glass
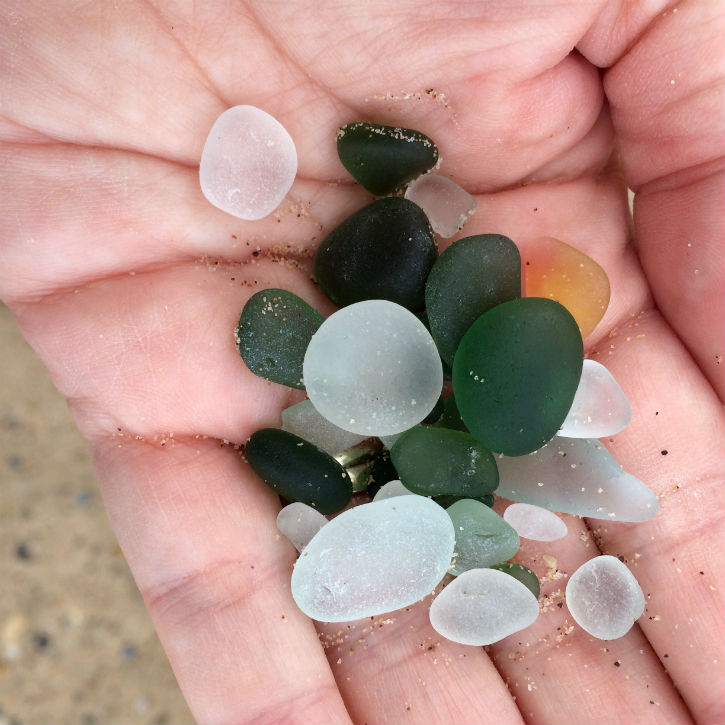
x: 515, y: 374
x: 384, y: 158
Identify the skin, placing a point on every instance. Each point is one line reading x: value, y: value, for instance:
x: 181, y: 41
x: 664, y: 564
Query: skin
x: 128, y: 285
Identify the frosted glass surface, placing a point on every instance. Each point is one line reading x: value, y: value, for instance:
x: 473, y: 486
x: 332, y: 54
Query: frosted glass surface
x: 373, y: 368
x: 392, y: 489
x: 304, y: 420
x: 299, y: 523
x: 534, y: 522
x: 447, y: 205
x: 374, y: 558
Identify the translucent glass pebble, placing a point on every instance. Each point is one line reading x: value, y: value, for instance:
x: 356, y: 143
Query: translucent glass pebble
x: 604, y: 597
x: 248, y: 163
x: 482, y: 606
x: 299, y: 523
x: 390, y: 490
x: 600, y: 407
x: 374, y: 558
x: 534, y: 522
x: 447, y: 205
x: 373, y: 368
x: 304, y: 420
x: 521, y: 573
x: 576, y: 476
x: 561, y: 272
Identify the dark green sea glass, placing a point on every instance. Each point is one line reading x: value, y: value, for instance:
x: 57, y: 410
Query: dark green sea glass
x: 274, y: 330
x: 516, y: 372
x: 523, y: 574
x: 470, y: 277
x: 298, y: 471
x: 451, y: 416
x: 438, y: 461
x: 448, y: 501
x: 383, y: 251
x: 381, y: 473
x: 383, y: 159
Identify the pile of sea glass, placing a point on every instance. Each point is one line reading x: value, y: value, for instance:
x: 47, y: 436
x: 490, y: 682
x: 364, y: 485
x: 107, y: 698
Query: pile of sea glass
x: 434, y: 387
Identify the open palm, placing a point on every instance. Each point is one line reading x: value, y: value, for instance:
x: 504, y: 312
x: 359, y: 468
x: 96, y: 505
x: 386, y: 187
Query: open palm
x: 128, y: 284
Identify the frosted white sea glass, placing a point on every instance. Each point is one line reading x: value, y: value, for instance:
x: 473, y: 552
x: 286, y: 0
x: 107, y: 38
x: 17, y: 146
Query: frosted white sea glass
x: 447, y: 205
x: 299, y: 523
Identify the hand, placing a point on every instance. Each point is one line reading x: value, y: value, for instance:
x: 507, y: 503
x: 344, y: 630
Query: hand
x: 128, y: 284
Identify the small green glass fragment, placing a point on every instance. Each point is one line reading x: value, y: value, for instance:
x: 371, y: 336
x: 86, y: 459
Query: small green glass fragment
x: 483, y: 538
x: 274, y: 330
x: 298, y: 471
x: 523, y: 574
x: 383, y: 159
x: 438, y: 461
x: 451, y: 416
x: 515, y: 374
x: 383, y: 251
x: 448, y: 501
x: 473, y: 275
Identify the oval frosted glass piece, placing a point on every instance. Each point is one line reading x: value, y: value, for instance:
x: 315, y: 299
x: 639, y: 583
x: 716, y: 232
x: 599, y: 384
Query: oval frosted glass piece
x: 534, y: 522
x: 600, y: 407
x: 374, y: 558
x: 384, y: 158
x: 604, y: 597
x: 390, y: 490
x: 372, y: 368
x: 274, y: 330
x: 482, y: 606
x: 248, y: 163
x: 383, y: 251
x: 447, y: 205
x: 483, y: 538
x: 576, y: 476
x: 440, y: 462
x: 515, y: 374
x: 299, y: 523
x: 470, y: 277
x: 303, y: 420
x: 561, y: 272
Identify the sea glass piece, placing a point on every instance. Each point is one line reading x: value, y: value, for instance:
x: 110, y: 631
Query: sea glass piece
x: 451, y: 416
x: 604, y: 597
x: 372, y: 368
x: 515, y: 374
x: 482, y: 606
x: 383, y: 251
x: 299, y: 523
x: 600, y: 407
x: 438, y: 461
x: 303, y: 420
x: 470, y: 277
x: 389, y: 441
x: 576, y: 476
x: 483, y: 538
x: 384, y: 158
x: 374, y: 558
x: 523, y: 574
x: 448, y: 501
x: 447, y: 205
x: 535, y: 522
x: 381, y: 472
x: 248, y: 163
x: 274, y: 330
x: 561, y: 272
x: 390, y: 490
x: 298, y: 471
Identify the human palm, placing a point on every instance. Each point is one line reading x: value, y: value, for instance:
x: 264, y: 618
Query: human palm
x: 128, y: 284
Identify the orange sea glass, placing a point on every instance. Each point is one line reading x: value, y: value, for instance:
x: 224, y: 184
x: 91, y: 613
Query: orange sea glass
x: 560, y: 272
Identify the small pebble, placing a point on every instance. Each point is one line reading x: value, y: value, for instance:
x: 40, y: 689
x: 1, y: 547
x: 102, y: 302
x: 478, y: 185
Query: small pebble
x: 482, y: 606
x: 390, y: 490
x: 248, y: 163
x: 604, y: 597
x: 374, y: 558
x: 600, y: 407
x: 535, y: 523
x: 447, y: 205
x: 299, y: 523
x: 304, y: 420
x: 372, y: 368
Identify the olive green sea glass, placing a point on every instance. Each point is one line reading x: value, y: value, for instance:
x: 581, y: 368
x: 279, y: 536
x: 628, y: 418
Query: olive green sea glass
x: 274, y: 330
x: 383, y: 251
x: 473, y: 275
x: 298, y: 471
x: 448, y: 501
x: 516, y: 372
x: 438, y: 461
x: 383, y: 159
x: 483, y: 538
x: 523, y: 574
